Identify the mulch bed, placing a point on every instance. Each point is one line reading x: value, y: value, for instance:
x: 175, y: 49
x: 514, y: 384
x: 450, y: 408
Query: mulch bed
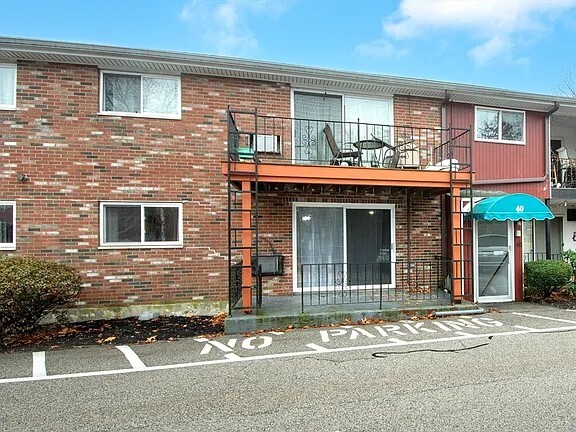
x: 562, y: 300
x: 164, y: 328
x: 115, y: 332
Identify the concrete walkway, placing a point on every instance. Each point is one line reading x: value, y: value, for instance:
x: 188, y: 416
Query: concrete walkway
x: 284, y: 312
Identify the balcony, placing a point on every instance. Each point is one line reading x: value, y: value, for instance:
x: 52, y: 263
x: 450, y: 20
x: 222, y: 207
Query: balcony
x: 563, y: 171
x: 292, y: 151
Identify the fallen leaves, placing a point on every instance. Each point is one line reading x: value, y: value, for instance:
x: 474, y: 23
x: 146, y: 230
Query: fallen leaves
x: 107, y: 340
x: 108, y: 333
x: 219, y: 318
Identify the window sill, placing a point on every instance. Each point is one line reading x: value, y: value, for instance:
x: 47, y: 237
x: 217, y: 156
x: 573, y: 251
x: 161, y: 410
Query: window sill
x: 8, y: 107
x: 141, y: 115
x: 141, y: 246
x: 500, y: 141
x: 7, y: 247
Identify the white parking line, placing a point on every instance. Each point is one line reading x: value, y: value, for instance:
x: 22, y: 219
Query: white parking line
x: 543, y: 317
x: 316, y: 347
x: 524, y: 327
x: 236, y: 358
x: 39, y: 364
x: 131, y: 356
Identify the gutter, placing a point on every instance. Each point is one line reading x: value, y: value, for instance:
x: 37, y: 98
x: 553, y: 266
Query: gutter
x: 512, y: 181
x: 100, y: 55
x: 547, y: 136
x: 547, y: 157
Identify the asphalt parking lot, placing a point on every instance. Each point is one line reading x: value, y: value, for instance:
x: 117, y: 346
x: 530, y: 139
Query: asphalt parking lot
x: 445, y: 334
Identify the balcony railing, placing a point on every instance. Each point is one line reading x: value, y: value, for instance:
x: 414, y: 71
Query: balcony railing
x: 329, y: 142
x: 563, y: 171
x: 537, y: 256
x: 376, y: 283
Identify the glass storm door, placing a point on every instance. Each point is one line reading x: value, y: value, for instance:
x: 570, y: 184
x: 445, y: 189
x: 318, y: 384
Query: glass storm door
x: 494, y: 263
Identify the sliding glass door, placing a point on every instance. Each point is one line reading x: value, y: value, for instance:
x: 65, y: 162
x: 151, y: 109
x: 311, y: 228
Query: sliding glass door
x: 343, y: 245
x: 313, y: 111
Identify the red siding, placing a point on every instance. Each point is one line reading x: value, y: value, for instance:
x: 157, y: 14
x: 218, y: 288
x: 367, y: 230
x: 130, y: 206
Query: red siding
x: 506, y: 162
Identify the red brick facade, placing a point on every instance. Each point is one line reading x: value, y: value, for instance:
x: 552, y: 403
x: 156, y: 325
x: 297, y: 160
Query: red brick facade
x: 75, y: 158
x: 276, y: 228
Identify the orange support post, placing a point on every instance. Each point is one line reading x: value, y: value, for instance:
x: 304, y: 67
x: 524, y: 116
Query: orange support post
x: 457, y: 241
x: 246, y: 245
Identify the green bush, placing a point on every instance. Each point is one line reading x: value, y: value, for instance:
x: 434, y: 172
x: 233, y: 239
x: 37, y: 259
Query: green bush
x: 30, y: 288
x: 570, y: 257
x: 545, y: 276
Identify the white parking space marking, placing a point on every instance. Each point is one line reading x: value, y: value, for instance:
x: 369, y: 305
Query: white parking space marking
x: 234, y: 358
x: 524, y: 327
x: 39, y: 364
x: 316, y: 347
x: 543, y: 317
x: 131, y: 356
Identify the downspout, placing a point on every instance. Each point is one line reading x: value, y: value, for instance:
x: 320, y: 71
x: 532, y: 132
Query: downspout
x: 443, y: 126
x: 443, y: 108
x: 548, y: 170
x: 408, y: 227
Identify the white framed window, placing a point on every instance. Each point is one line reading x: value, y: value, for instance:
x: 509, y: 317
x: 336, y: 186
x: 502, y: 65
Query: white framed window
x: 499, y: 125
x: 7, y: 86
x: 130, y: 224
x: 140, y: 95
x: 7, y: 225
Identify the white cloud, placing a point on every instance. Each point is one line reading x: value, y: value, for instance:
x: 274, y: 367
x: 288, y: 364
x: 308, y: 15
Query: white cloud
x: 223, y: 25
x: 495, y: 47
x: 380, y: 48
x: 496, y: 24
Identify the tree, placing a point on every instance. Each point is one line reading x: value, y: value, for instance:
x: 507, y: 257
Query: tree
x: 568, y: 85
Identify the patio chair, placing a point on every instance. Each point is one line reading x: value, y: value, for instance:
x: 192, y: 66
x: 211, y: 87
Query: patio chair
x: 563, y: 165
x: 339, y: 156
x: 391, y: 158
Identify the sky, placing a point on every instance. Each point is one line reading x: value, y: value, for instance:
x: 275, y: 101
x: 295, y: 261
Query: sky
x: 520, y: 45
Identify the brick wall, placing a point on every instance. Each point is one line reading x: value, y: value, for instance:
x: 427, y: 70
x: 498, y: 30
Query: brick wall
x: 416, y: 111
x: 423, y: 242
x: 76, y: 158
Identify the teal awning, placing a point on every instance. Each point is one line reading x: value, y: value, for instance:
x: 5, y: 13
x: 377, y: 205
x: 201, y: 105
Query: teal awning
x: 511, y: 207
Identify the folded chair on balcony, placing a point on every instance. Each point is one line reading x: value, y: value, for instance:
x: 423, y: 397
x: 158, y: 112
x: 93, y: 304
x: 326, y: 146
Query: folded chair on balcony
x: 391, y: 158
x: 339, y: 157
x: 563, y: 165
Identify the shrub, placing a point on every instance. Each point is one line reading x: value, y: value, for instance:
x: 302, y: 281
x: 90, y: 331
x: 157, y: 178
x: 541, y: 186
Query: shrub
x: 570, y: 257
x: 545, y: 276
x: 30, y: 288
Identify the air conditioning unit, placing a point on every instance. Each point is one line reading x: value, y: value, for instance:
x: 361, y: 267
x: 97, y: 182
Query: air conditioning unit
x: 271, y: 265
x: 266, y: 143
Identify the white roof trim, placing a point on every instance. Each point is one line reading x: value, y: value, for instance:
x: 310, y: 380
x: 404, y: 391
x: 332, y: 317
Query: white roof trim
x: 13, y: 49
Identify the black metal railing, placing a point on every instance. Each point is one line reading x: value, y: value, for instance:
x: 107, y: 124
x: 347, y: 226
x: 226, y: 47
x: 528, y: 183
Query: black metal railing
x: 329, y: 142
x: 235, y: 286
x: 563, y: 171
x: 537, y: 256
x: 376, y: 283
